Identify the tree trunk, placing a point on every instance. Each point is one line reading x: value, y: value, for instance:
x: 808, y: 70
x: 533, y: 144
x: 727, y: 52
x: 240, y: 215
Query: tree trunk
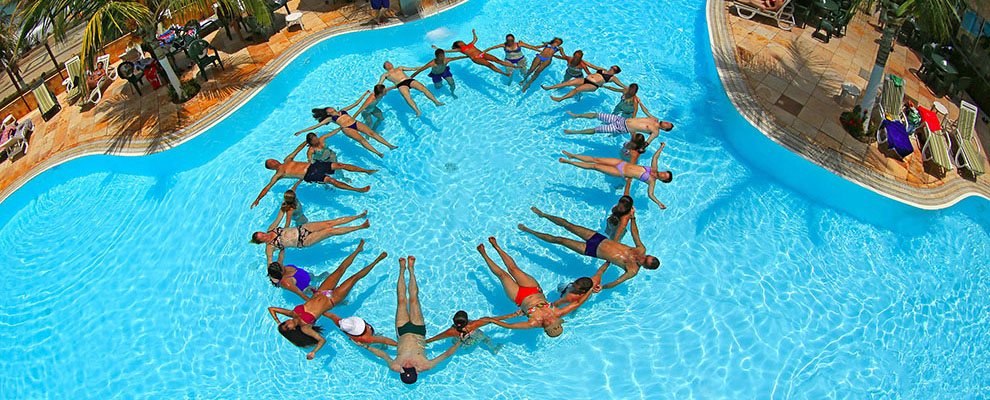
x: 876, y: 76
x: 17, y: 87
x: 54, y: 61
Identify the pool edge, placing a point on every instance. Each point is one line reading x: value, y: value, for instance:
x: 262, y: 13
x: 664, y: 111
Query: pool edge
x: 258, y: 82
x: 739, y: 95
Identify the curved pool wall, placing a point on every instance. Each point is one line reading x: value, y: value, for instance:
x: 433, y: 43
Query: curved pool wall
x: 779, y: 279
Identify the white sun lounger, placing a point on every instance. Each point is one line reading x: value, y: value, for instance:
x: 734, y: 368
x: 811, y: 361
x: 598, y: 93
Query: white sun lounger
x: 782, y: 12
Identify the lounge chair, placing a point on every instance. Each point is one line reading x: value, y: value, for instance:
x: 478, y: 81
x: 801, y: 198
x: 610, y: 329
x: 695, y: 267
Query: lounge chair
x: 13, y: 138
x: 936, y: 143
x: 782, y: 12
x: 892, y: 98
x: 75, y: 84
x: 968, y: 155
x: 47, y: 103
x: 894, y: 134
x: 110, y: 72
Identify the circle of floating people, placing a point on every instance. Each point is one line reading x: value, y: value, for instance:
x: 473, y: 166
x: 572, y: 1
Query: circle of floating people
x: 321, y: 292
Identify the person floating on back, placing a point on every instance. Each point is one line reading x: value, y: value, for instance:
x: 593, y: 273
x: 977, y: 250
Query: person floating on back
x: 317, y: 172
x: 351, y: 127
x: 398, y: 77
x: 469, y: 331
x: 410, y: 356
x: 627, y: 170
x: 479, y: 57
x: 279, y: 238
x: 526, y: 292
x: 594, y: 244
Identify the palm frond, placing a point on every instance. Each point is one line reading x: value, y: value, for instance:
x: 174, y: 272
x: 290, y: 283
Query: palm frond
x: 108, y: 18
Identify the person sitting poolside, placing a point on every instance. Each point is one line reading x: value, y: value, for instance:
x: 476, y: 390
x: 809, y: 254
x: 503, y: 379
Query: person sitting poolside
x: 300, y: 329
x: 477, y: 56
x: 590, y: 83
x: 469, y: 331
x: 351, y: 127
x: 317, y: 172
x: 627, y: 170
x: 410, y: 355
x: 440, y: 70
x: 93, y: 77
x: 617, y: 124
x: 526, y: 292
x: 630, y: 259
x: 398, y: 77
x: 278, y: 238
x: 360, y: 331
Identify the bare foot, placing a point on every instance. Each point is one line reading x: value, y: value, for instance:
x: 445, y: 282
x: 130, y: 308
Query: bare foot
x: 381, y: 256
x: 392, y: 147
x: 363, y: 214
x: 525, y: 229
x: 569, y: 155
x: 544, y: 87
x: 361, y: 245
x: 402, y: 264
x: 481, y: 248
x: 440, y: 104
x: 418, y: 113
x: 412, y: 263
x: 491, y: 239
x: 379, y: 154
x: 366, y: 224
x: 364, y: 189
x: 526, y: 86
x: 537, y: 211
x: 562, y: 160
x: 371, y: 171
x: 557, y: 99
x: 573, y: 115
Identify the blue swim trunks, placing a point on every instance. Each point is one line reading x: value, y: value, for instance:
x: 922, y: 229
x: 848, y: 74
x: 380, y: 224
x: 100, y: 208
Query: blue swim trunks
x: 379, y: 4
x: 444, y: 74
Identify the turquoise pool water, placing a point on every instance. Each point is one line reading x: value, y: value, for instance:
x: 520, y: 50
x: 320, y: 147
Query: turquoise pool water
x: 133, y: 278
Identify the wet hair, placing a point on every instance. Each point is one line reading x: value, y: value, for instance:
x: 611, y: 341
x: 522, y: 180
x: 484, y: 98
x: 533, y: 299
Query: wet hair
x: 670, y: 177
x: 256, y: 238
x: 297, y: 336
x: 555, y: 332
x: 582, y: 285
x: 379, y: 89
x: 320, y: 114
x: 438, y: 53
x: 616, y: 68
x: 653, y: 264
x: 289, y: 200
x: 557, y: 39
x: 312, y: 139
x: 631, y: 90
x: 576, y: 58
x: 275, y: 272
x: 510, y: 36
x: 639, y: 143
x: 671, y: 126
x: 460, y: 321
x: 456, y: 46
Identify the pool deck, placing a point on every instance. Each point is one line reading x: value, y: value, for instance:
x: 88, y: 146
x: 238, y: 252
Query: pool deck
x: 786, y: 83
x: 125, y: 123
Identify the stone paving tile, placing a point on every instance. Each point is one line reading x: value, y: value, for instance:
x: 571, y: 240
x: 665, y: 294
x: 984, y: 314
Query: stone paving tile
x: 124, y: 119
x: 800, y: 69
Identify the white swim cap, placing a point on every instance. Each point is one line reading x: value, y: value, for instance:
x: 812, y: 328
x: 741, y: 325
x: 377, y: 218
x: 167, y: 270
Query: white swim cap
x: 353, y: 326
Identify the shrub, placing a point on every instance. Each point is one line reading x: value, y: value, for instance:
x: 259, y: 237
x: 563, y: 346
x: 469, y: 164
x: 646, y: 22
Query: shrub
x: 852, y: 122
x: 189, y: 90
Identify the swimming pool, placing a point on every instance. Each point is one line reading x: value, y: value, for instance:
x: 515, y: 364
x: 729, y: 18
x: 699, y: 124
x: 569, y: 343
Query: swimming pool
x: 133, y: 278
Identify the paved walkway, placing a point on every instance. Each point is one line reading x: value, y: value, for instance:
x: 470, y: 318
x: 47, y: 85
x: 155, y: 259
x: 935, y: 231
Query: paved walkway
x: 126, y: 123
x: 787, y: 83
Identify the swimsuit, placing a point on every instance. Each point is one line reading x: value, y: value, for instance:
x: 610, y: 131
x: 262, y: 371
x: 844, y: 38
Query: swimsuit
x: 514, y: 56
x: 326, y: 154
x: 410, y: 327
x: 304, y: 315
x: 614, y: 123
x: 524, y: 292
x: 438, y: 77
x: 372, y: 108
x: 591, y: 245
x: 301, y: 276
x: 465, y: 48
x: 574, y: 72
x: 605, y: 79
x: 551, y: 54
x: 530, y: 310
x: 406, y: 82
x: 301, y: 234
x: 625, y: 108
x: 317, y: 171
x: 352, y: 126
x: 645, y: 177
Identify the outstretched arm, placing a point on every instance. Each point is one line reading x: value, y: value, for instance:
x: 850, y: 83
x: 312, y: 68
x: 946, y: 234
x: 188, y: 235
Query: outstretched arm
x: 444, y: 50
x: 320, y: 341
x: 634, y: 231
x: 439, y: 359
x: 331, y: 133
x: 517, y: 325
x: 614, y: 89
x: 597, y: 277
x: 573, y: 306
x: 592, y: 66
x: 653, y: 184
x: 643, y: 107
x: 622, y: 278
x: 474, y: 37
x: 494, y: 47
x: 618, y: 82
x: 275, y: 178
x: 378, y: 352
x: 298, y: 292
x: 324, y: 122
x: 293, y: 154
x: 274, y: 311
x: 421, y: 69
x: 623, y: 222
x: 366, y: 92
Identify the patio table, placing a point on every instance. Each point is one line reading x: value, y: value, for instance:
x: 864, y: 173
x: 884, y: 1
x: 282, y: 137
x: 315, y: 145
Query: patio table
x: 826, y: 5
x: 944, y: 65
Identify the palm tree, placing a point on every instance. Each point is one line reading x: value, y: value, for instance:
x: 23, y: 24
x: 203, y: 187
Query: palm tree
x: 939, y: 16
x: 9, y: 55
